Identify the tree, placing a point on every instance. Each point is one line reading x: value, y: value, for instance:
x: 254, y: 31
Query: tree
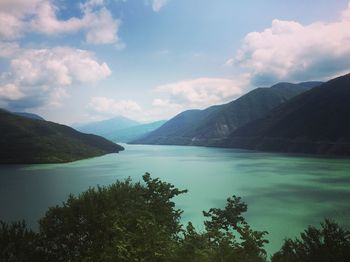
x: 330, y: 243
x: 219, y: 242
x: 18, y: 244
x: 121, y: 222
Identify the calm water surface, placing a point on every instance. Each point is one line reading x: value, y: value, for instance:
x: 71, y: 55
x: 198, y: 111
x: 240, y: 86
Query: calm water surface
x: 284, y: 193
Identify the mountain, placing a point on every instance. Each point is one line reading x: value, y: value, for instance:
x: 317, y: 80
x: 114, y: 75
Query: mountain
x: 28, y: 115
x: 106, y: 126
x: 314, y: 122
x: 207, y: 127
x: 135, y: 132
x: 24, y: 140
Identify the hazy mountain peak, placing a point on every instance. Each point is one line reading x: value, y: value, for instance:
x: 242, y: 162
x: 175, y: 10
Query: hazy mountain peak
x: 106, y: 126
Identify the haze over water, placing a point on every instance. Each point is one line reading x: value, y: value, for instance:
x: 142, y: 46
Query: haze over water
x: 284, y: 193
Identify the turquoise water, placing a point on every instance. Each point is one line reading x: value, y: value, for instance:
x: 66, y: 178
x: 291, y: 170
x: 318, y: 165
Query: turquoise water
x: 284, y: 193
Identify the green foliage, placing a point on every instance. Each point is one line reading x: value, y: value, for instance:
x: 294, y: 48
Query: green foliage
x: 123, y: 222
x: 18, y: 244
x: 224, y: 222
x: 331, y: 243
x: 219, y: 242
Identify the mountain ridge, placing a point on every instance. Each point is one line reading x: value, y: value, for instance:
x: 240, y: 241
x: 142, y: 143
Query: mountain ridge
x: 206, y: 127
x: 29, y: 115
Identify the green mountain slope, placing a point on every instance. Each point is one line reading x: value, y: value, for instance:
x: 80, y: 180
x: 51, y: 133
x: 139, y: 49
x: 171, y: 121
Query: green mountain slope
x: 313, y: 122
x: 25, y: 140
x: 207, y: 127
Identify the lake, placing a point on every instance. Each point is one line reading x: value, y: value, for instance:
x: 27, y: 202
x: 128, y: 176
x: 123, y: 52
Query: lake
x: 284, y: 193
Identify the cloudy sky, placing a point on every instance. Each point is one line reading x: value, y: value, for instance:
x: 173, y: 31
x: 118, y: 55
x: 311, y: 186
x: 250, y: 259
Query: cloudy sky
x: 79, y: 61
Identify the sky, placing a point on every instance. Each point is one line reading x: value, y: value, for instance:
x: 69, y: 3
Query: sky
x: 82, y: 61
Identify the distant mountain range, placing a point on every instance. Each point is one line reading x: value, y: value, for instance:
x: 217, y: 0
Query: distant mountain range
x: 106, y: 126
x: 26, y: 140
x: 119, y: 129
x: 313, y: 122
x: 127, y: 135
x: 210, y: 126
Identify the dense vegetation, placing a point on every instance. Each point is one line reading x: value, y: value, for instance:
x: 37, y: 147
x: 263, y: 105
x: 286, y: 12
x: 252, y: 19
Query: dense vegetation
x: 139, y: 222
x: 313, y: 122
x: 25, y: 140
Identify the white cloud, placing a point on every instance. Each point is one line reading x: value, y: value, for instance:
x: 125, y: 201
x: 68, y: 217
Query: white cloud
x: 60, y: 66
x: 10, y: 26
x: 19, y: 17
x: 102, y: 28
x: 158, y: 102
x: 158, y: 4
x: 13, y: 17
x: 346, y: 13
x: 8, y: 49
x: 111, y: 107
x: 88, y: 5
x: 46, y: 22
x: 103, y: 107
x: 10, y: 92
x: 201, y: 92
x: 18, y: 6
x: 40, y: 76
x: 162, y: 109
x: 290, y: 51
